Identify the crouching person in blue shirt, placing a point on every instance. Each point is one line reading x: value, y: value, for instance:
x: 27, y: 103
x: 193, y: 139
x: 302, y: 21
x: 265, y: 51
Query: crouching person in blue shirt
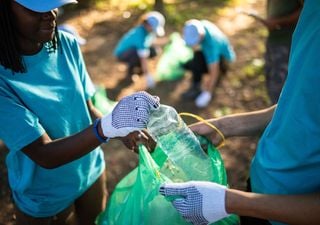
x: 212, y: 54
x: 136, y: 46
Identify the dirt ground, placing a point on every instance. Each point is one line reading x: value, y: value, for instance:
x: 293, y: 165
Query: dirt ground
x: 242, y: 89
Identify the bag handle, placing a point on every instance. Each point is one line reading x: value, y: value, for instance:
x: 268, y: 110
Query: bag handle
x: 222, y: 143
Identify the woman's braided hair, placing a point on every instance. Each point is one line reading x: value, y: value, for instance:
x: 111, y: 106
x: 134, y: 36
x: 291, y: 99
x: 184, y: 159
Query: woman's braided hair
x: 10, y: 53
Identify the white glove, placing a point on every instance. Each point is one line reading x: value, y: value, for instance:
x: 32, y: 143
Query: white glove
x: 130, y: 114
x: 198, y: 202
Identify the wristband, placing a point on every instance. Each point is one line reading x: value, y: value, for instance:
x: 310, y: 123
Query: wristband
x: 96, y: 132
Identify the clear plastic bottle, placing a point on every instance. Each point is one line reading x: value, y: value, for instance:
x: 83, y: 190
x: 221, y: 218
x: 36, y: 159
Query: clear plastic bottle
x: 180, y: 144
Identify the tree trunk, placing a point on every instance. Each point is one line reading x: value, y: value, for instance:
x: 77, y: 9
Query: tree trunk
x: 159, y: 6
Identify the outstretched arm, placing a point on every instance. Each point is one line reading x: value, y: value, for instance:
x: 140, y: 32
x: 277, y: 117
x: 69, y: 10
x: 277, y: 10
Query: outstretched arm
x: 277, y: 22
x: 290, y: 209
x: 213, y: 76
x: 273, y: 23
x: 206, y: 202
x: 241, y: 124
x: 144, y: 65
x: 129, y: 115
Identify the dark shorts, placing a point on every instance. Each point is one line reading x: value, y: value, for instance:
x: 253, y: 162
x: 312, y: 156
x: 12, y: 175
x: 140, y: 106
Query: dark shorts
x: 132, y: 59
x: 198, y: 66
x: 66, y: 217
x: 85, y: 209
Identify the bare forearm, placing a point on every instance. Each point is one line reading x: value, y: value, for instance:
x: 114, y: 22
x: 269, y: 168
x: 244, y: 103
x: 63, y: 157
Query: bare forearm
x: 282, y: 21
x: 291, y: 209
x: 213, y: 77
x: 241, y: 124
x: 288, y: 20
x: 54, y: 153
x: 244, y: 124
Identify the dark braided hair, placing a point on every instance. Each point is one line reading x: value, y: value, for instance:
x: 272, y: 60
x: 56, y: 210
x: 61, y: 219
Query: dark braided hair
x: 10, y: 52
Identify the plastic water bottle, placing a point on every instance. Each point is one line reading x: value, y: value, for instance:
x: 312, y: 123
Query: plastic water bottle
x: 180, y: 144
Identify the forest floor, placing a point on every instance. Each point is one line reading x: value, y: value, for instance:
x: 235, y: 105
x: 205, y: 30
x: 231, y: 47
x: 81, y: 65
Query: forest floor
x: 241, y: 90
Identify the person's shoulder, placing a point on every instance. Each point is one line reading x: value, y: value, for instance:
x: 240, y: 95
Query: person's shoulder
x: 139, y: 29
x: 138, y: 33
x: 66, y: 38
x: 5, y: 73
x: 213, y: 30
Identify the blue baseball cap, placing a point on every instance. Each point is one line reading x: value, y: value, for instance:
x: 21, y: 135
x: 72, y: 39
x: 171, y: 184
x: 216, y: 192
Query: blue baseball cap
x: 156, y: 21
x: 192, y: 32
x: 44, y: 5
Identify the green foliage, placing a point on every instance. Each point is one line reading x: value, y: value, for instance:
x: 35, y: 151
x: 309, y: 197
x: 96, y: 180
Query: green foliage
x: 176, y: 12
x: 254, y: 68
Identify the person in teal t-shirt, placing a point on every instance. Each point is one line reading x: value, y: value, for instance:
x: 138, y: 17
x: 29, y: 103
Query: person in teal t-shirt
x: 281, y: 20
x: 212, y: 51
x: 136, y: 46
x: 285, y: 171
x: 282, y: 17
x: 56, y: 169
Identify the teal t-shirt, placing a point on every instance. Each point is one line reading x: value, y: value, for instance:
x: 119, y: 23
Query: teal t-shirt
x: 50, y: 97
x: 136, y: 38
x: 215, y: 44
x: 287, y: 160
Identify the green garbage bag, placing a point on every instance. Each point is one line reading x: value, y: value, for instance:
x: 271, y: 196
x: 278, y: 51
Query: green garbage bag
x: 136, y: 199
x: 175, y: 53
x: 101, y: 101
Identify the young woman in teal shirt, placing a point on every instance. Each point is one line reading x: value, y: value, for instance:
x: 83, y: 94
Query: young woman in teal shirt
x: 55, y: 165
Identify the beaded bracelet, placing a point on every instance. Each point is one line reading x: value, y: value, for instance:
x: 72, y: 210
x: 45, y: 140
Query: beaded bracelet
x: 96, y: 132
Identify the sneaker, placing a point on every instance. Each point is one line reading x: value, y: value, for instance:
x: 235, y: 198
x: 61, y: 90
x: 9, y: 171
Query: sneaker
x: 151, y: 83
x: 203, y: 99
x: 191, y: 93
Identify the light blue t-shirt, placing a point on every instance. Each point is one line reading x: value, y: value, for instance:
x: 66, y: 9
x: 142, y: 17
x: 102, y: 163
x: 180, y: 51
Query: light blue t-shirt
x: 288, y: 155
x: 50, y: 97
x: 215, y: 44
x: 137, y: 38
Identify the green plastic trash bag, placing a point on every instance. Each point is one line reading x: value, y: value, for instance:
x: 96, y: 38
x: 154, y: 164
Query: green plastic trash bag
x: 136, y: 199
x: 174, y: 55
x: 101, y: 101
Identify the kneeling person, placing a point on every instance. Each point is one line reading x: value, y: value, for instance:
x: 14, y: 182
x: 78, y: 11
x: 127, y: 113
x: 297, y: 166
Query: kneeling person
x: 212, y: 52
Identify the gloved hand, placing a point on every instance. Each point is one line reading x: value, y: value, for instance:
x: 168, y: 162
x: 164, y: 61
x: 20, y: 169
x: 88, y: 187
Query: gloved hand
x: 198, y: 202
x: 130, y: 114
